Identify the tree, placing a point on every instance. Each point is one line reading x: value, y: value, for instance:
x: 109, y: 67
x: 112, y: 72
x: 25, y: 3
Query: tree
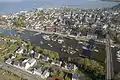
x: 19, y: 22
x: 38, y: 49
x: 94, y: 67
x: 30, y: 47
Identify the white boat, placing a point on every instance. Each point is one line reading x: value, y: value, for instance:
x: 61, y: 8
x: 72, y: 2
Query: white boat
x: 46, y: 37
x: 118, y: 58
x: 118, y: 55
x: 50, y: 45
x: 72, y: 52
x: 77, y: 49
x: 96, y: 50
x: 112, y: 46
x: 80, y: 42
x: 60, y: 41
x: 118, y: 52
x: 41, y: 42
x: 85, y: 47
x: 64, y: 46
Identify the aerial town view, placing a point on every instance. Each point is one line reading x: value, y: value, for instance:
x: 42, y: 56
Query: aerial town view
x: 59, y: 39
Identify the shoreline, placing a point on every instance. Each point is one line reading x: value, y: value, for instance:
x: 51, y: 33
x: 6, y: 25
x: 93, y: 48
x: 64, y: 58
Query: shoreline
x: 21, y: 29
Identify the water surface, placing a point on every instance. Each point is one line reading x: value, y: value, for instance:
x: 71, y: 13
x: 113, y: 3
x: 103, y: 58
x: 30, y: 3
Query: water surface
x: 8, y: 6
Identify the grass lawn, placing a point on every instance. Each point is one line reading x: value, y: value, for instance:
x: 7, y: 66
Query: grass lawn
x: 6, y: 75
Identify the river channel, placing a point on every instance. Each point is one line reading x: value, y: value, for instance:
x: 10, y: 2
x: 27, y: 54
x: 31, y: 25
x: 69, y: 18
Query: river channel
x: 68, y: 44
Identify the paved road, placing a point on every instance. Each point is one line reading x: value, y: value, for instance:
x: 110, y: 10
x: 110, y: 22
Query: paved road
x: 19, y: 72
x: 109, y: 63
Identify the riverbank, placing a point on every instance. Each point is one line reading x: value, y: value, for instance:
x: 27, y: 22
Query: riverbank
x: 20, y: 30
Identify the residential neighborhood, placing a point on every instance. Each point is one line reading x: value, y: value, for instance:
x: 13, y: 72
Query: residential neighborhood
x: 37, y: 63
x: 61, y: 43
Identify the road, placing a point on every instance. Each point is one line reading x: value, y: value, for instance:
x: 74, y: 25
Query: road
x: 19, y: 72
x: 109, y: 63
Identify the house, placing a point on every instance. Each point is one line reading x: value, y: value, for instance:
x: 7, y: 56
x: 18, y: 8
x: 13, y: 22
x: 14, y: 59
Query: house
x: 38, y: 72
x: 56, y: 62
x: 42, y: 73
x: 105, y: 26
x: 71, y: 66
x: 31, y: 52
x: 37, y: 55
x: 23, y: 63
x: 45, y: 74
x: 13, y: 41
x: 44, y: 58
x: 91, y: 36
x: 20, y: 51
x: 30, y: 63
x: 11, y: 56
x: 77, y: 77
x: 51, y: 28
x: 1, y: 39
x: 9, y: 61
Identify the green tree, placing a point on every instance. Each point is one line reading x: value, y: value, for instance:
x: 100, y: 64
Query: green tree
x: 38, y: 49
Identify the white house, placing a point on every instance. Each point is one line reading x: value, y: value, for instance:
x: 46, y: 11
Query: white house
x: 105, y: 26
x: 38, y: 72
x: 9, y: 61
x: 44, y: 58
x: 56, y: 62
x: 13, y: 41
x: 32, y: 51
x: 77, y: 77
x: 70, y: 66
x: 42, y: 73
x: 37, y: 55
x: 20, y: 51
x: 30, y: 63
x: 45, y: 74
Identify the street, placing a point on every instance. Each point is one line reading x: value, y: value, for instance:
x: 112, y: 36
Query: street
x: 19, y: 72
